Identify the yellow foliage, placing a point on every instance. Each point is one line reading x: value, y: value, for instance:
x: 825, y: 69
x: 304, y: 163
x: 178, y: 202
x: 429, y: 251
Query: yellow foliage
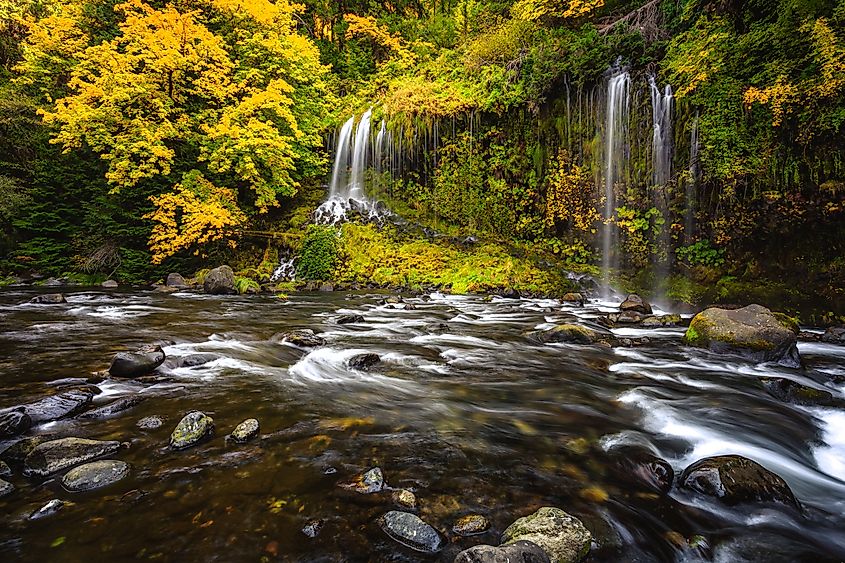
x: 194, y: 213
x: 419, y: 96
x: 831, y: 56
x: 569, y: 196
x: 777, y: 97
x: 532, y: 10
x: 695, y: 56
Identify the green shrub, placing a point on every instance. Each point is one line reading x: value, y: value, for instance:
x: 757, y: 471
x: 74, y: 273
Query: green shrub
x: 244, y: 284
x: 318, y: 253
x: 701, y: 253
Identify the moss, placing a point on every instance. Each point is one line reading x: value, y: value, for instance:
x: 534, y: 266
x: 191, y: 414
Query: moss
x: 695, y: 335
x: 246, y: 285
x: 791, y: 323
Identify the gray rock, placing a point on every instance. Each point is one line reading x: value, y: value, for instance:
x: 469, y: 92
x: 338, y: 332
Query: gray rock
x: 245, y: 431
x: 392, y: 300
x: 304, y: 338
x: 113, y: 408
x: 636, y: 303
x: 110, y: 284
x: 192, y: 429
x: 371, y: 481
x: 326, y: 287
x: 437, y: 328
x: 5, y: 470
x: 753, y: 332
x: 518, y: 552
x: 574, y: 299
x: 53, y: 282
x: 14, y: 422
x: 16, y: 453
x: 220, y: 281
x: 56, y: 455
x: 349, y: 319
x: 6, y: 488
x: 312, y: 528
x: 734, y: 479
x: 58, y: 406
x: 49, y: 299
x: 175, y: 280
x: 409, y: 307
x: 194, y: 360
x: 470, y: 525
x: 409, y: 530
x: 150, y: 423
x: 48, y: 509
x: 793, y: 392
x: 834, y: 335
x: 95, y: 475
x: 363, y: 361
x: 137, y: 364
x: 569, y: 333
x: 562, y: 536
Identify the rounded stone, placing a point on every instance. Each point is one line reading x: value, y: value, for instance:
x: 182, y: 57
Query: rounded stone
x: 404, y: 498
x: 517, y: 552
x: 245, y: 431
x: 562, y: 536
x: 193, y: 428
x: 57, y: 455
x: 734, y: 479
x: 471, y: 525
x: 409, y: 530
x: 95, y: 475
x: 150, y: 423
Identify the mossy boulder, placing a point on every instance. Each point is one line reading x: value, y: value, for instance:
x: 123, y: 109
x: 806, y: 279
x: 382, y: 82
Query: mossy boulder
x: 95, y: 475
x: 562, y: 536
x: 570, y: 334
x: 57, y: 455
x: 791, y: 391
x: 220, y: 281
x: 753, y: 332
x: 245, y: 431
x: 191, y: 430
x: 302, y: 338
x: 734, y: 479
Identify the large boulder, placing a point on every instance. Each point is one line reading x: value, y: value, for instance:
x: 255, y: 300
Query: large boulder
x: 518, y: 552
x: 95, y: 475
x: 56, y: 455
x: 49, y: 299
x: 562, y: 536
x: 834, y: 335
x: 175, y: 280
x: 570, y: 334
x: 136, y: 364
x: 220, y: 281
x: 636, y: 303
x: 409, y: 530
x: 734, y: 479
x: 192, y: 429
x: 57, y: 406
x: 753, y: 332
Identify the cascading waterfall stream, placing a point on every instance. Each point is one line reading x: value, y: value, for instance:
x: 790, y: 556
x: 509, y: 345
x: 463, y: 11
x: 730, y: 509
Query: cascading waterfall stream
x: 692, y: 184
x: 341, y: 161
x: 661, y: 157
x: 615, y: 164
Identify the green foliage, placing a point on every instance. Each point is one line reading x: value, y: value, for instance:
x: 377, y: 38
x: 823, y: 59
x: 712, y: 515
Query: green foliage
x: 318, y: 253
x: 701, y: 253
x: 246, y: 285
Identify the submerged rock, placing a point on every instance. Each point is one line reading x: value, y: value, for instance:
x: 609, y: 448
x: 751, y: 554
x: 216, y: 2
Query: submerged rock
x: 136, y: 364
x: 404, y: 498
x: 518, y: 552
x: 5, y: 470
x: 245, y: 431
x: 58, y: 406
x: 636, y: 303
x: 17, y: 452
x: 409, y: 530
x: 637, y: 465
x: 194, y: 360
x: 569, y: 333
x: 220, y: 281
x: 150, y: 422
x: 437, y: 328
x: 363, y: 361
x: 192, y: 429
x: 57, y: 455
x: 113, y: 408
x: 109, y: 284
x: 312, y: 528
x: 95, y: 475
x: 834, y: 335
x: 562, y: 536
x: 349, y: 319
x: 303, y: 338
x: 48, y: 509
x: 471, y: 525
x: 14, y: 422
x: 793, y: 392
x: 175, y: 280
x: 658, y: 321
x: 371, y: 481
x: 623, y: 318
x: 49, y: 299
x: 734, y: 479
x: 510, y: 293
x: 6, y: 488
x: 753, y: 332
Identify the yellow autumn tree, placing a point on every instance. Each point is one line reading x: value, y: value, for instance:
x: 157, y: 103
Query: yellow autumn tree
x: 569, y: 197
x: 532, y: 10
x: 218, y: 102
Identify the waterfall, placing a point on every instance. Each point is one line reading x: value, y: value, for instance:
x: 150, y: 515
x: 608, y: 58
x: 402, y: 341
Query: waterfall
x: 615, y: 162
x: 692, y: 184
x: 341, y: 161
x: 347, y: 190
x: 379, y: 156
x: 286, y: 270
x: 661, y: 111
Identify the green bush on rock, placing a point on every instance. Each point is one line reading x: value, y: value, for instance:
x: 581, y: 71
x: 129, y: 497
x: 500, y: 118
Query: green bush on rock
x: 319, y: 253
